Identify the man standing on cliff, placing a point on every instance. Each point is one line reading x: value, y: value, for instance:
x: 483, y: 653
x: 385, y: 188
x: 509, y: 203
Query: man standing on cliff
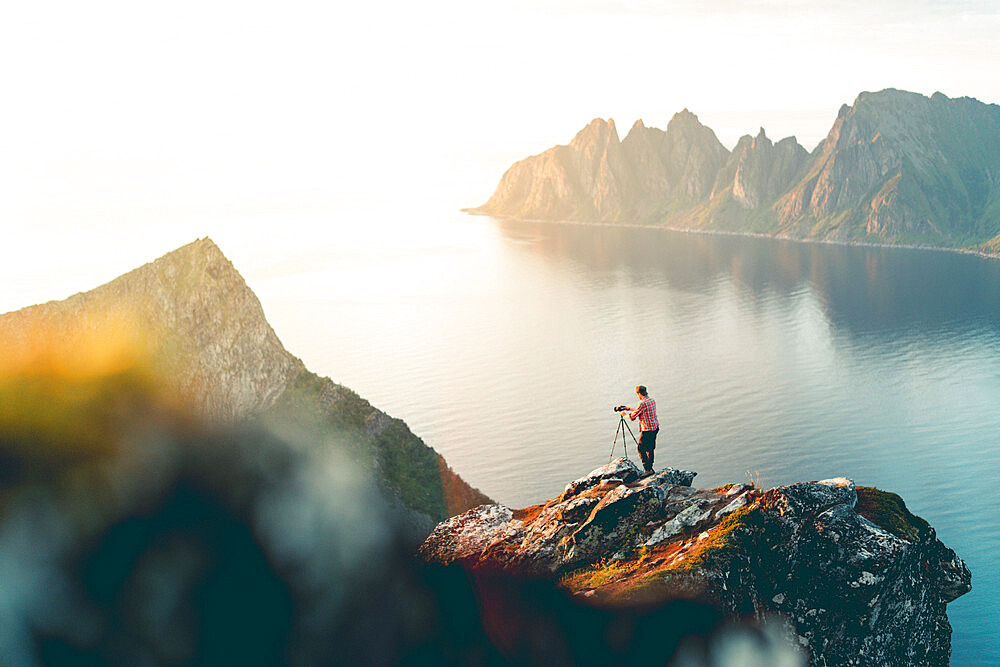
x: 649, y: 426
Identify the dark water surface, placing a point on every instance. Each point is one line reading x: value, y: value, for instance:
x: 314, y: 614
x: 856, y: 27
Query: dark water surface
x: 505, y: 346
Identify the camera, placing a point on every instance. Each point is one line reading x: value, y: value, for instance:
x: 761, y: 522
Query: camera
x: 621, y: 408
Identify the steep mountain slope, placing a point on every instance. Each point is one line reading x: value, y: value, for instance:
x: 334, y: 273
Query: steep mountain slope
x: 902, y: 167
x: 758, y: 170
x: 854, y: 576
x: 896, y: 167
x: 206, y: 334
x: 587, y: 179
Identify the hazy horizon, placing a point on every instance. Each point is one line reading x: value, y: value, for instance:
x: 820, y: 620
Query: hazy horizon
x: 132, y: 130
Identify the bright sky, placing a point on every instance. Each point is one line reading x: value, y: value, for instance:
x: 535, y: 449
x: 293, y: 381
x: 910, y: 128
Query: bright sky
x: 130, y: 128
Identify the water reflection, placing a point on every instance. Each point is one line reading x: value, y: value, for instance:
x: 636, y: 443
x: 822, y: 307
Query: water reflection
x: 864, y: 290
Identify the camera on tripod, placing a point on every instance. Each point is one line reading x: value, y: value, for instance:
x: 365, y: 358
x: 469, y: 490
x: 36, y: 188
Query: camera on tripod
x: 622, y: 427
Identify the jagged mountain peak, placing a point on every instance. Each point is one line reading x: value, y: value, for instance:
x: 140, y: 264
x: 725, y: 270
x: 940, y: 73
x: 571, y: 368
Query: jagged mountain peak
x: 902, y: 167
x: 684, y: 119
x: 598, y: 130
x: 195, y: 311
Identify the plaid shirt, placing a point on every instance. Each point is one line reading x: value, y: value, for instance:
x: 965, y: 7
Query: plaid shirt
x: 646, y: 412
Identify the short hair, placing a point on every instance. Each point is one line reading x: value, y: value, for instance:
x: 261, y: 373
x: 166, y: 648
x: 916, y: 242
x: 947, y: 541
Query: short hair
x: 641, y: 389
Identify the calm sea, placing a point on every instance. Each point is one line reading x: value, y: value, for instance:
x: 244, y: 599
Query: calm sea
x: 506, y: 345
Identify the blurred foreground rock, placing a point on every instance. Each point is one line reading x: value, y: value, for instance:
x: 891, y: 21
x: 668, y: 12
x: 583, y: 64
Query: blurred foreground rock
x: 149, y: 538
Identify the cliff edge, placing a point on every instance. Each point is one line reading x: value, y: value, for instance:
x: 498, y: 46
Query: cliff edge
x: 854, y: 577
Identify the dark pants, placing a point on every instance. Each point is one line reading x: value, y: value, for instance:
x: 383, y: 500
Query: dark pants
x: 647, y: 443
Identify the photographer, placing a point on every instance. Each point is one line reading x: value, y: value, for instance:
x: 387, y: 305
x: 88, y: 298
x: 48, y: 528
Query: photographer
x: 649, y: 426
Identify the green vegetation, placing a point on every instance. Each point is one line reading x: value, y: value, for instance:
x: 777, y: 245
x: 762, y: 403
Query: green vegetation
x: 318, y: 410
x: 304, y: 409
x: 728, y: 536
x: 888, y: 511
x: 602, y: 572
x: 412, y: 469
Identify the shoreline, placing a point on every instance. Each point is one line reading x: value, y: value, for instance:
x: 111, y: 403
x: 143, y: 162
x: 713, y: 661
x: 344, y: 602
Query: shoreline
x: 993, y: 256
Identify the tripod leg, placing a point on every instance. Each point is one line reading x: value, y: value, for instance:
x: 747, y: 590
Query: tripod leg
x: 622, y: 425
x: 614, y: 443
x: 630, y: 433
x: 639, y: 454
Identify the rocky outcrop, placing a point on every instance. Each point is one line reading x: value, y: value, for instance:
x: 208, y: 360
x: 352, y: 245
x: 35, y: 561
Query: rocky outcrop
x: 855, y: 578
x: 203, y: 330
x: 896, y: 167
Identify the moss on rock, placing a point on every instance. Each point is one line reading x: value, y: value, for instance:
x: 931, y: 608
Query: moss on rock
x: 888, y: 511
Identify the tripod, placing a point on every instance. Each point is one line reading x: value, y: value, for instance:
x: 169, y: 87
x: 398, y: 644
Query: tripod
x: 622, y: 425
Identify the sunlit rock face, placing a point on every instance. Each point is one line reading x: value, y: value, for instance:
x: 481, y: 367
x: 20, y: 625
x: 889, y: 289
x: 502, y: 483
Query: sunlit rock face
x: 599, y: 178
x: 589, y: 179
x: 903, y: 167
x: 896, y: 167
x: 852, y: 574
x: 196, y: 314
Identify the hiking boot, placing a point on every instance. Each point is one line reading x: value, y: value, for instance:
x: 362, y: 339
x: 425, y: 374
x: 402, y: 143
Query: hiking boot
x: 646, y: 474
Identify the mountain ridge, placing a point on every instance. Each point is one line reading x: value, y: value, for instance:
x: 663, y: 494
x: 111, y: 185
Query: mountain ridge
x: 206, y: 334
x: 896, y: 168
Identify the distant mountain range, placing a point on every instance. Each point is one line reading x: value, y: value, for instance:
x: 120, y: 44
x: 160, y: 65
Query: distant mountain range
x: 896, y: 168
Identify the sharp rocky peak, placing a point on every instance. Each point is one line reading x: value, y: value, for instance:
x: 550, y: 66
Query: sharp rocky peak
x: 684, y: 119
x: 597, y: 130
x: 205, y: 327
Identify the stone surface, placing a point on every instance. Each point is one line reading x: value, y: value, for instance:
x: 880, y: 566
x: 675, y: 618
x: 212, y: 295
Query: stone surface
x: 847, y: 590
x: 670, y: 476
x: 622, y: 469
x: 594, y: 515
